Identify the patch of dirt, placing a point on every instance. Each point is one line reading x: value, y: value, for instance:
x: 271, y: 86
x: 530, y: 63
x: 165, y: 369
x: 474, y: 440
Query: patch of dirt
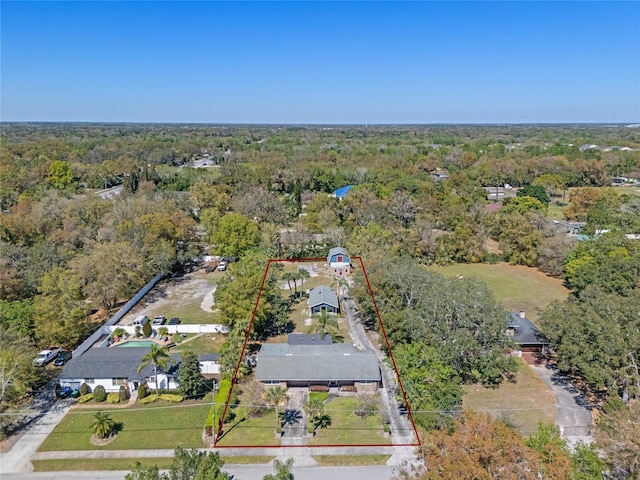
x: 8, y: 443
x: 209, y: 300
x: 101, y: 442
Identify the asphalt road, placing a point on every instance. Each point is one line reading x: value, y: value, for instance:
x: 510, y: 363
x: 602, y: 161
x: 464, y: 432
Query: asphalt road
x: 240, y: 472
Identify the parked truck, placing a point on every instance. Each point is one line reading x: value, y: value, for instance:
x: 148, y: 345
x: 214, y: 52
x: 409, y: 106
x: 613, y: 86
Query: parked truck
x: 45, y: 356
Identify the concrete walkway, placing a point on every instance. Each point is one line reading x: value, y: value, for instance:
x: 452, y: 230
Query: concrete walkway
x: 574, y: 418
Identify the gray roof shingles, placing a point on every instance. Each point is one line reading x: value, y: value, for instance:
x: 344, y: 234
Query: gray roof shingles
x: 322, y: 363
x: 525, y: 332
x: 112, y: 362
x: 323, y: 295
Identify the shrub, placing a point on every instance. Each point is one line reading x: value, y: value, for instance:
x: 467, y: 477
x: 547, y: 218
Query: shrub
x: 146, y: 329
x: 113, y: 397
x: 99, y: 393
x: 123, y: 394
x: 171, y: 397
x: 85, y: 398
x: 149, y: 399
x: 84, y: 389
x: 142, y: 391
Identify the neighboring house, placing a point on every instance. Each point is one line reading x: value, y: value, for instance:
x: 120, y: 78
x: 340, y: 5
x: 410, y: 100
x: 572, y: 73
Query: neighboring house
x: 342, y: 192
x: 112, y: 367
x: 210, y: 365
x: 526, y: 335
x: 323, y: 298
x: 339, y: 261
x: 335, y: 365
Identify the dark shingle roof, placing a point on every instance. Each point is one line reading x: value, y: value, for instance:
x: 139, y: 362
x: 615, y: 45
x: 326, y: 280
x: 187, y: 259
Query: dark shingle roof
x: 112, y: 362
x: 209, y: 357
x: 323, y: 295
x: 525, y: 332
x: 338, y: 361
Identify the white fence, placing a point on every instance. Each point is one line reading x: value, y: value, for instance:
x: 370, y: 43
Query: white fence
x: 188, y: 328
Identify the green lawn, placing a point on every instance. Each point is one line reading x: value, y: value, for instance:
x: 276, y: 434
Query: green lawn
x: 245, y: 430
x: 522, y: 404
x: 351, y: 460
x: 203, y: 343
x: 158, y: 425
x: 515, y: 286
x: 347, y: 428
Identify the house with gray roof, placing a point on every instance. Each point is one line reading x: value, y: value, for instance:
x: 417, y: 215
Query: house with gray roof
x: 334, y: 365
x: 339, y: 261
x: 309, y: 339
x: 112, y: 367
x: 526, y: 335
x: 323, y: 298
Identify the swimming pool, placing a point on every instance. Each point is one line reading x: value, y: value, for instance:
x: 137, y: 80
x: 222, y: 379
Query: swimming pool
x: 137, y: 343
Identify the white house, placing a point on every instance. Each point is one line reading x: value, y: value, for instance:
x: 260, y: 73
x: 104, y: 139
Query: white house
x: 112, y: 367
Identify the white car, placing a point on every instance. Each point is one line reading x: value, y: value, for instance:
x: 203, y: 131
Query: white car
x: 222, y: 266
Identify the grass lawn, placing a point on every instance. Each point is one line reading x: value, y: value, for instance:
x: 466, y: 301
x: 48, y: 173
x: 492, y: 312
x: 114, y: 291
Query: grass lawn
x: 158, y: 425
x: 348, y: 429
x: 515, y: 286
x: 350, y: 460
x: 98, y: 464
x: 244, y: 430
x: 203, y: 343
x: 527, y: 402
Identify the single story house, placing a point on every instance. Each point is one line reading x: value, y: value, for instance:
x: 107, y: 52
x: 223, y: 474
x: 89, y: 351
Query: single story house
x: 526, y: 335
x: 334, y: 365
x: 210, y: 365
x: 339, y: 261
x: 112, y: 367
x: 323, y: 298
x: 309, y: 339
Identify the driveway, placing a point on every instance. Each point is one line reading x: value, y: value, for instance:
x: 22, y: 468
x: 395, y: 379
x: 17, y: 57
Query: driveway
x: 574, y: 418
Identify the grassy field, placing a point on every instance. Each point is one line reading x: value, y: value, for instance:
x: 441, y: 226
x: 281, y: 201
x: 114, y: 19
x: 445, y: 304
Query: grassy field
x: 159, y: 425
x: 203, y: 343
x: 522, y: 404
x: 245, y: 430
x: 350, y: 460
x: 515, y: 286
x: 347, y: 428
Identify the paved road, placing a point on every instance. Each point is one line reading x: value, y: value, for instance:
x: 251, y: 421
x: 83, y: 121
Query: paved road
x: 240, y: 472
x: 574, y: 416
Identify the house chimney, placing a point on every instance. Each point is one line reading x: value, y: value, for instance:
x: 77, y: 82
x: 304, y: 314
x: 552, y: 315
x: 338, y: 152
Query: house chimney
x: 522, y: 314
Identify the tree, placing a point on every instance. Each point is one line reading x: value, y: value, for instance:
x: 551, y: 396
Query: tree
x: 551, y: 183
x: 618, y: 436
x: 325, y: 323
x: 157, y: 357
x: 235, y: 234
x: 282, y: 470
x: 275, y: 397
x: 518, y: 238
x: 192, y: 382
x: 535, y: 191
x: 17, y: 316
x: 17, y: 373
x: 522, y: 205
x: 314, y: 407
x: 102, y: 425
x: 60, y: 175
x: 140, y: 472
x: 195, y: 465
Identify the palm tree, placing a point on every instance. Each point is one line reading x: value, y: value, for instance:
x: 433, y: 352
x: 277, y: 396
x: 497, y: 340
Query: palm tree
x: 102, y: 425
x: 326, y: 324
x: 282, y: 470
x: 289, y: 277
x: 303, y: 274
x: 314, y: 408
x: 275, y: 396
x: 158, y: 357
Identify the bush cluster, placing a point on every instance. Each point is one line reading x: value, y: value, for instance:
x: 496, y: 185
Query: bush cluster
x: 148, y: 399
x: 84, y: 389
x: 85, y: 398
x: 123, y: 394
x: 113, y: 397
x: 169, y: 397
x: 99, y: 393
x: 142, y: 391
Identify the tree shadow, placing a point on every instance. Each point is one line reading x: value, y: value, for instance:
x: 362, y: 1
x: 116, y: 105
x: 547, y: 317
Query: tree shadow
x: 291, y: 417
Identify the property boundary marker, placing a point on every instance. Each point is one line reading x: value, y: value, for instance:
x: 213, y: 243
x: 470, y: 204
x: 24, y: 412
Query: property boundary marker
x: 246, y: 340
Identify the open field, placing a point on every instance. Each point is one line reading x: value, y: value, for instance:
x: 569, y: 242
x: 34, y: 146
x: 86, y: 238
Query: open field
x: 515, y: 286
x: 348, y: 429
x: 159, y: 425
x: 522, y: 404
x: 245, y: 430
x: 186, y: 297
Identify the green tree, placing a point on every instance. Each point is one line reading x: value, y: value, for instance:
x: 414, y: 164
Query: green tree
x: 235, y: 234
x: 275, y: 397
x: 522, y: 205
x: 535, y: 191
x: 325, y: 323
x: 158, y: 357
x: 17, y: 373
x: 192, y: 382
x: 196, y: 465
x: 552, y: 184
x: 141, y: 472
x: 314, y: 407
x: 282, y: 470
x: 17, y: 316
x: 102, y: 425
x: 618, y: 437
x: 60, y: 175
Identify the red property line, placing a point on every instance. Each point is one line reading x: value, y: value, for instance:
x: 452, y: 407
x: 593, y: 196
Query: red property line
x: 244, y: 346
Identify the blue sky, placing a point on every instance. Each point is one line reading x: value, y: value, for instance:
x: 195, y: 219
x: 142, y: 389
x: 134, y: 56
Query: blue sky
x: 320, y: 62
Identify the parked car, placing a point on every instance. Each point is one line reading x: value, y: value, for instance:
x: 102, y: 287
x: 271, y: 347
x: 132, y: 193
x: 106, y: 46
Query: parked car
x: 222, y: 266
x: 45, y: 356
x: 159, y: 320
x: 174, y: 321
x: 62, y: 358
